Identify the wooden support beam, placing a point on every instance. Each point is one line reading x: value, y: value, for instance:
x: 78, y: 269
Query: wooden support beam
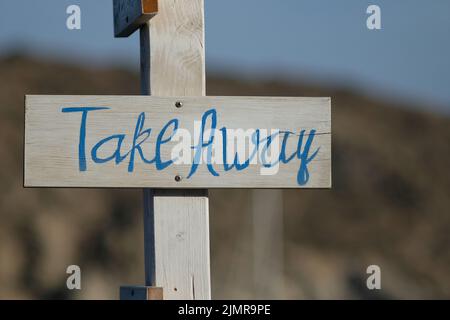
x: 141, y: 293
x: 268, y: 243
x: 176, y: 222
x: 130, y: 15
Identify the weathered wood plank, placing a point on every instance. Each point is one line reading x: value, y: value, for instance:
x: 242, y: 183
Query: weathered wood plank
x: 130, y: 15
x: 176, y: 222
x: 53, y: 157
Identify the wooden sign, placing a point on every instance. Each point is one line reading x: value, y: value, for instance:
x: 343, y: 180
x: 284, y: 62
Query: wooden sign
x: 188, y: 142
x: 131, y: 15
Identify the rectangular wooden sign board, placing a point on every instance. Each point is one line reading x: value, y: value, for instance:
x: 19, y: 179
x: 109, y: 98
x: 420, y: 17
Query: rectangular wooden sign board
x: 179, y: 142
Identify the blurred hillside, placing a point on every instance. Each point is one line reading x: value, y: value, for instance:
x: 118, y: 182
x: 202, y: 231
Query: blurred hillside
x: 389, y: 204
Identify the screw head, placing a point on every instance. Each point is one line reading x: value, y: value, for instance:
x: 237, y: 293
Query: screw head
x: 177, y: 178
x: 178, y: 104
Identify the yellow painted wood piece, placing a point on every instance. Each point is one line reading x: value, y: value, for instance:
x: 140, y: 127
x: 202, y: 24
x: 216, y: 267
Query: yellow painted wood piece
x: 141, y: 293
x: 130, y: 15
x: 149, y: 6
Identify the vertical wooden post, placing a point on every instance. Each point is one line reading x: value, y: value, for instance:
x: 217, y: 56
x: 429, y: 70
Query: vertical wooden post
x: 268, y: 243
x: 176, y: 222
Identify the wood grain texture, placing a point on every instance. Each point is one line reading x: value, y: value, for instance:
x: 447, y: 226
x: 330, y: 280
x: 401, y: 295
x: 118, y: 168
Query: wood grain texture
x: 52, y: 140
x: 178, y: 49
x: 176, y: 222
x: 130, y: 15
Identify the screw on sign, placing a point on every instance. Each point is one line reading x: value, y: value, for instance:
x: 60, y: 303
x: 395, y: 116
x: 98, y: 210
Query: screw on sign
x: 175, y: 145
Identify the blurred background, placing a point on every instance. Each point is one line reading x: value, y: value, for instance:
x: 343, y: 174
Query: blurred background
x: 389, y: 205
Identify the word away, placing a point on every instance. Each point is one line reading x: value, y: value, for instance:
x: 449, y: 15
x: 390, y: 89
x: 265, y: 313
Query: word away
x: 214, y: 146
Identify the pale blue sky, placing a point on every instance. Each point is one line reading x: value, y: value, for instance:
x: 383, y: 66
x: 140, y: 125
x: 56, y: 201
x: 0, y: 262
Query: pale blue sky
x: 321, y: 40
